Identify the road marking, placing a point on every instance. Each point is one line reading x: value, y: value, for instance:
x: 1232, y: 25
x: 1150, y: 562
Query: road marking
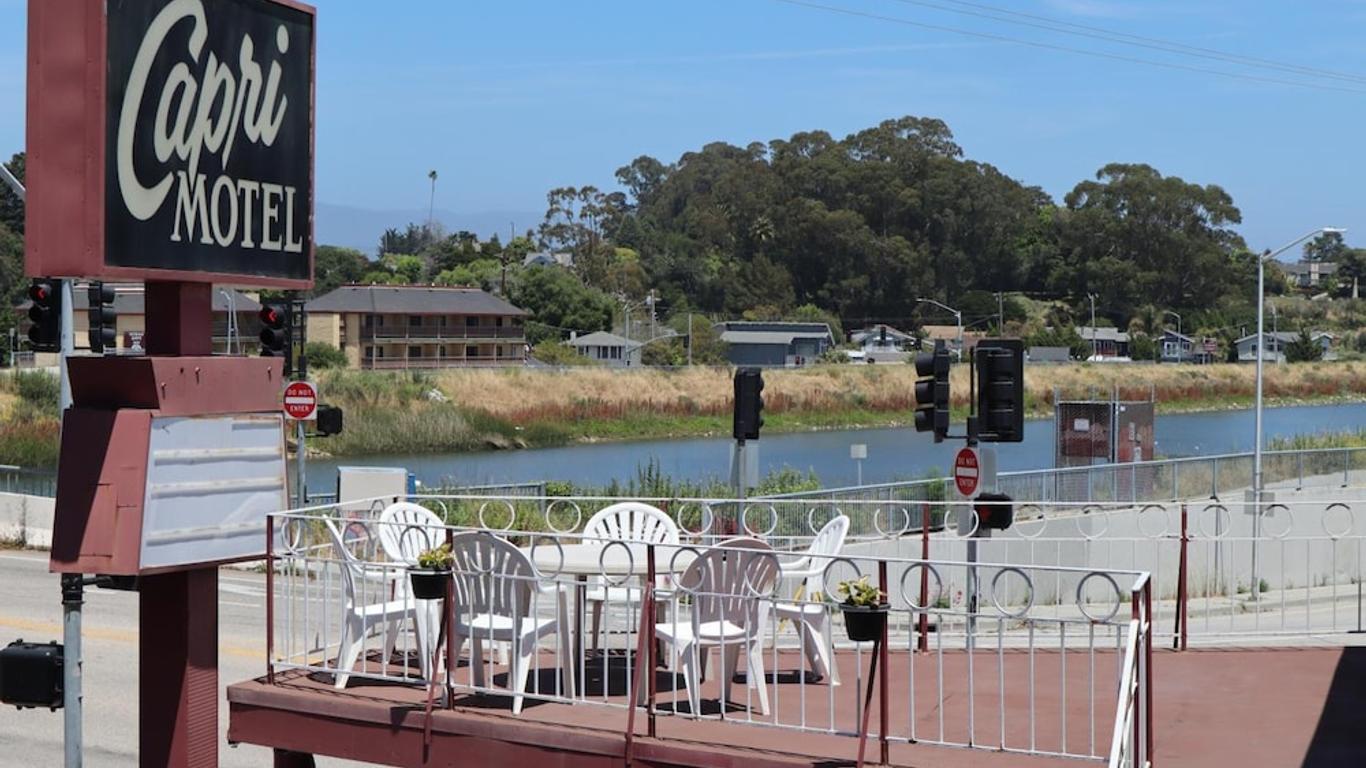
x: 53, y: 629
x: 25, y: 559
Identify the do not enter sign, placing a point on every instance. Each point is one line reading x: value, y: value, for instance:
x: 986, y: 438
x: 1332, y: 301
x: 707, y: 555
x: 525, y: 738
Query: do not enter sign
x: 301, y: 401
x: 967, y: 472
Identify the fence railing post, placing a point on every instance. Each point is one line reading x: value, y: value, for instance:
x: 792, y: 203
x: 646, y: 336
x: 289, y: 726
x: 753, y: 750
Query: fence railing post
x: 270, y: 599
x: 1182, y: 595
x: 924, y: 645
x: 883, y: 684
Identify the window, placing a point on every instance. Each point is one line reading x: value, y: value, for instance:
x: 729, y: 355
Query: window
x: 414, y: 321
x: 616, y: 353
x: 471, y: 321
x: 414, y: 351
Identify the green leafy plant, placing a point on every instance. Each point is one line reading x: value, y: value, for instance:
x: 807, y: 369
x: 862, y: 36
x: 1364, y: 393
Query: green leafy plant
x: 860, y: 594
x: 436, y: 558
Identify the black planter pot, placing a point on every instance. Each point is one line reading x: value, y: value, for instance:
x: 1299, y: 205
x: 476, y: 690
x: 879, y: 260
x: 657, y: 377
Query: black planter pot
x: 864, y: 623
x: 428, y: 584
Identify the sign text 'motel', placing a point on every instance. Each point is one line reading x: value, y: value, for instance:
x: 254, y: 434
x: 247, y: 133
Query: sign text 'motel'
x: 205, y: 167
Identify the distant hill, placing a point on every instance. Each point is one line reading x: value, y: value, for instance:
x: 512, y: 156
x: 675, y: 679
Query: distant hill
x: 361, y: 228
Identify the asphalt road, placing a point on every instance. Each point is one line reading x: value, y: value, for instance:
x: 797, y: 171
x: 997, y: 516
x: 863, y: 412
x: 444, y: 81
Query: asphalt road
x: 30, y: 608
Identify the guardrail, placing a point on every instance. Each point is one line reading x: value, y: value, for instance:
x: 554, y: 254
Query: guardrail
x: 30, y: 482
x: 342, y: 608
x: 1136, y: 482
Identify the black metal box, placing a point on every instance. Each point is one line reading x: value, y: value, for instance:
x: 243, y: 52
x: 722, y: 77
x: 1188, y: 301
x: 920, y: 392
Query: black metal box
x: 31, y: 674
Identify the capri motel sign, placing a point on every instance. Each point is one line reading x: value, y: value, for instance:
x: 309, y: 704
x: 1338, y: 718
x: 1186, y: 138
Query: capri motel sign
x: 171, y: 142
x: 199, y: 119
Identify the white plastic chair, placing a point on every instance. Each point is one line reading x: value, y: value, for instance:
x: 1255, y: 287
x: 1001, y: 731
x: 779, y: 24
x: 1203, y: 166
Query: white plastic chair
x: 811, y: 618
x: 726, y: 586
x: 494, y: 587
x: 629, y: 521
x: 406, y: 530
x: 358, y: 617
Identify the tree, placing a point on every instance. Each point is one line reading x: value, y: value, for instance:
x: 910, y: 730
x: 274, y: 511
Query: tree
x: 1328, y: 246
x: 1352, y: 271
x: 1133, y: 236
x: 1303, y: 349
x: 411, y: 240
x: 11, y: 207
x: 559, y: 302
x: 334, y: 266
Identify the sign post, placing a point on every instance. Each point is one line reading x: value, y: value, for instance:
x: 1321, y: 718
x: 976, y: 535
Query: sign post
x: 219, y: 189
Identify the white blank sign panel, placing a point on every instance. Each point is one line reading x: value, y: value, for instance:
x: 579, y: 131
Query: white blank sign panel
x: 211, y: 481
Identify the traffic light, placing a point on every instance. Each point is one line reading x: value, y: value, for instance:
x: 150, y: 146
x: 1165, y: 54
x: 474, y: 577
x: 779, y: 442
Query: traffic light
x: 103, y: 320
x: 1000, y: 390
x: 275, y: 334
x: 749, y: 404
x: 994, y: 511
x: 932, y: 391
x: 329, y: 420
x: 46, y: 313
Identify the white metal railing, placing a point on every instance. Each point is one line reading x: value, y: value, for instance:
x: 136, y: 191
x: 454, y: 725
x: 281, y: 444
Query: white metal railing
x: 1158, y: 480
x: 949, y: 686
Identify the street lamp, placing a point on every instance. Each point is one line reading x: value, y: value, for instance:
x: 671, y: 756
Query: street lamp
x: 958, y: 316
x: 1261, y: 342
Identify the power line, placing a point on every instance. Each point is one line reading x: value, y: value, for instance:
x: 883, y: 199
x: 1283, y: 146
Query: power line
x: 1065, y: 48
x: 1123, y: 38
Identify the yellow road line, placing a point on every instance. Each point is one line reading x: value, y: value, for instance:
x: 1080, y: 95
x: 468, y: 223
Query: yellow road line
x: 54, y: 630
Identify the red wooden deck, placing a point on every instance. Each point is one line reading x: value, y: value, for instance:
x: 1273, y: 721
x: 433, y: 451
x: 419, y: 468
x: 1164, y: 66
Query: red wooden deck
x: 1277, y: 707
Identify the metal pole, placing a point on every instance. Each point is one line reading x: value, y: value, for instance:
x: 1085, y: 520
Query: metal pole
x: 300, y: 491
x: 72, y: 597
x: 1257, y: 438
x: 689, y: 339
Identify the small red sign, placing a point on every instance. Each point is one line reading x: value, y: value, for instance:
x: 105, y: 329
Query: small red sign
x: 966, y: 472
x: 301, y: 401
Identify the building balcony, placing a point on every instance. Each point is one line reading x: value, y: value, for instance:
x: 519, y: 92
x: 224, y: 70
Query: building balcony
x: 430, y: 363
x: 426, y: 333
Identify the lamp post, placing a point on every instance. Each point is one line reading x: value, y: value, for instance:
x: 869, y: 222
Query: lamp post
x: 957, y: 316
x: 1095, y: 353
x: 1254, y: 588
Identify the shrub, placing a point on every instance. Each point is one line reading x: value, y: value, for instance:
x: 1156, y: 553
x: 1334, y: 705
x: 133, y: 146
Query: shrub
x: 322, y: 355
x: 38, y: 388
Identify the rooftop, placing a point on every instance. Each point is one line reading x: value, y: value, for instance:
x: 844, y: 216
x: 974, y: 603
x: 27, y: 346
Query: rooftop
x: 603, y: 339
x: 412, y: 300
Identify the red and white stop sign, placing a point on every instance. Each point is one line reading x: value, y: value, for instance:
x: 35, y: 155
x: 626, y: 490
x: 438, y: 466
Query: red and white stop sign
x: 966, y: 472
x: 301, y: 401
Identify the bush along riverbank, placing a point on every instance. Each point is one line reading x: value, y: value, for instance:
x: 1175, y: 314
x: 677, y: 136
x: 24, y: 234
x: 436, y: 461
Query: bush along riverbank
x: 461, y: 410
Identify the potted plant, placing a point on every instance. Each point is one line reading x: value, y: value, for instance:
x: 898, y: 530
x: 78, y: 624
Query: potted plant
x: 865, y: 610
x: 432, y: 573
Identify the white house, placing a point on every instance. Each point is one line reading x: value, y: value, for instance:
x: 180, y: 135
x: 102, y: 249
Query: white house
x: 882, y: 344
x: 608, y: 348
x: 1276, y: 344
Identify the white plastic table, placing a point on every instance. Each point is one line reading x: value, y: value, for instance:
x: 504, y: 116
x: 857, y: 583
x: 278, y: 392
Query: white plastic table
x: 618, y: 562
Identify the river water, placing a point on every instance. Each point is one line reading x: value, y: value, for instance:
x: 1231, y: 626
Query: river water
x: 893, y: 454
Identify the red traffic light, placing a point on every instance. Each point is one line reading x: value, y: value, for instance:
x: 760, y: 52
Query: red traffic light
x: 271, y: 317
x: 40, y: 292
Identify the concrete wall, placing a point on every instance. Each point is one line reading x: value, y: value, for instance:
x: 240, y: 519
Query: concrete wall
x: 26, y: 520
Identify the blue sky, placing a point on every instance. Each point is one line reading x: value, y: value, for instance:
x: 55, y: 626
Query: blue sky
x: 508, y: 99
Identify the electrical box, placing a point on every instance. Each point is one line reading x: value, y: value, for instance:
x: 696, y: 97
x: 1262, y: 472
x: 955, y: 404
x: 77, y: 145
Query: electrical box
x: 31, y: 674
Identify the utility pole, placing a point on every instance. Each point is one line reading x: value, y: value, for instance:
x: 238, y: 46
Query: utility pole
x: 1000, y: 313
x: 1094, y: 352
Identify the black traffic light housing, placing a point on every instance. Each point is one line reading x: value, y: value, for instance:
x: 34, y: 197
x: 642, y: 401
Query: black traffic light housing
x: 31, y: 675
x: 1000, y: 390
x: 277, y: 333
x: 103, y: 332
x: 329, y: 421
x: 45, y: 335
x: 994, y: 511
x: 749, y: 404
x: 932, y: 391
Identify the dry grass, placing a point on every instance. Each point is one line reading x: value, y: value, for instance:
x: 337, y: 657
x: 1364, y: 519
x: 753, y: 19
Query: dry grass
x: 526, y: 396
